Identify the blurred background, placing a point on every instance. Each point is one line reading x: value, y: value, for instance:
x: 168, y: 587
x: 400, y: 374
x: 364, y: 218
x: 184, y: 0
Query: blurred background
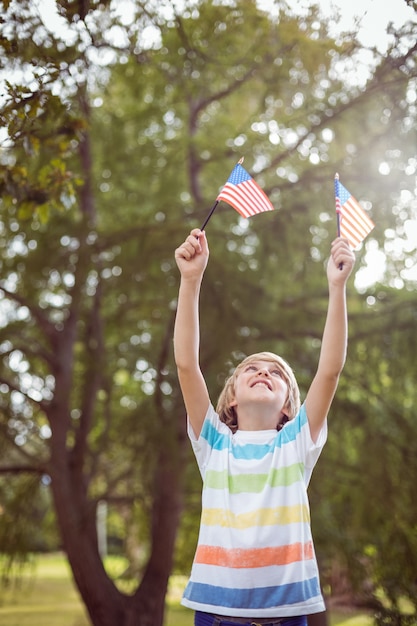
x: 120, y: 122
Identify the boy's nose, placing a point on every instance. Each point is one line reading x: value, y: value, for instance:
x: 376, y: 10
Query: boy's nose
x: 263, y: 371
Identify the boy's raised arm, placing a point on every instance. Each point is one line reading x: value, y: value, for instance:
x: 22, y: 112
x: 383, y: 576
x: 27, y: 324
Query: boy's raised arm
x: 334, y: 342
x: 191, y: 257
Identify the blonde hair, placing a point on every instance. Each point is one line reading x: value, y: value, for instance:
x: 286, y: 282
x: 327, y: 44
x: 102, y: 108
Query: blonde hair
x: 228, y: 413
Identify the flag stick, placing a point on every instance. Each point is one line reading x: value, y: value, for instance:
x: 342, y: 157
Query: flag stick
x: 336, y: 184
x: 338, y: 223
x: 213, y: 208
x: 336, y: 178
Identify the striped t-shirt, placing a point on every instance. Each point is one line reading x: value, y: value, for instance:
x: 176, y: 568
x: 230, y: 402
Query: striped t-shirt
x: 255, y: 554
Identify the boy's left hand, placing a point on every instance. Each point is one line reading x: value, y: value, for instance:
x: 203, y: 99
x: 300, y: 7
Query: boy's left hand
x: 341, y: 262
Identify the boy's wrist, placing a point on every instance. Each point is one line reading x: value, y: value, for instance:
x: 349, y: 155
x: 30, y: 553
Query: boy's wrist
x: 191, y: 281
x: 336, y: 287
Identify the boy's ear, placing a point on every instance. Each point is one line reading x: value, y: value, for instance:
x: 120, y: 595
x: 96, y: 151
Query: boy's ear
x: 232, y: 403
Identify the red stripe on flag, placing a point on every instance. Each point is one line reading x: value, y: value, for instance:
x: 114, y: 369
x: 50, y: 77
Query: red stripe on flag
x: 355, y: 224
x: 247, y: 198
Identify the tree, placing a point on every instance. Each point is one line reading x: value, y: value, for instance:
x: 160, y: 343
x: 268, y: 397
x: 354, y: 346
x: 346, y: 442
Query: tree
x: 107, y: 141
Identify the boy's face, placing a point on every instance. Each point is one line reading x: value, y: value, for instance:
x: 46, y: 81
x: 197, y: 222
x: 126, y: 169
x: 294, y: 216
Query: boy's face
x: 260, y: 382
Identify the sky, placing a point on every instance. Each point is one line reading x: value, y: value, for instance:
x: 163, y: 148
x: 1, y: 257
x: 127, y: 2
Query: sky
x: 373, y: 16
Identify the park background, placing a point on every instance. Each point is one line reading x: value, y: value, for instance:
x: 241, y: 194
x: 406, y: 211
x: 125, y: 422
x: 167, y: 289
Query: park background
x: 120, y: 123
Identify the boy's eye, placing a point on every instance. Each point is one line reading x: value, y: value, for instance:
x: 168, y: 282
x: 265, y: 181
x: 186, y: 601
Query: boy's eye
x: 251, y: 368
x: 277, y: 373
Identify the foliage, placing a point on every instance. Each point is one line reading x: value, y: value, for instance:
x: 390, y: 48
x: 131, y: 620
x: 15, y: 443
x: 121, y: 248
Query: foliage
x: 116, y: 147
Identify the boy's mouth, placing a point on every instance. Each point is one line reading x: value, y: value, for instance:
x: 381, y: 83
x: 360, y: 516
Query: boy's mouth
x: 265, y: 383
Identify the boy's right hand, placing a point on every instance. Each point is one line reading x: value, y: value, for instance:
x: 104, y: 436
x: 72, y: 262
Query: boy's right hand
x: 192, y: 255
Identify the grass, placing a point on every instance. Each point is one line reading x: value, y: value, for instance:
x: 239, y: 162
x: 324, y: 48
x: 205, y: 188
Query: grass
x: 43, y: 596
x: 46, y: 596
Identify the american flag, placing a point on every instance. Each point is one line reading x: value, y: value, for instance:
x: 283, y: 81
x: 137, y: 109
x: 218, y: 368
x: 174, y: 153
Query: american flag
x: 244, y: 194
x: 354, y: 222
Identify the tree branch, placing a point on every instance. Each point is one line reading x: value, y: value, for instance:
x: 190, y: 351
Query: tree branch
x: 36, y: 311
x: 23, y: 469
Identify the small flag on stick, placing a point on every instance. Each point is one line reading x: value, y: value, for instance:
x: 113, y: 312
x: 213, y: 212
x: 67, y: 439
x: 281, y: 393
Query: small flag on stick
x: 352, y: 221
x: 243, y: 193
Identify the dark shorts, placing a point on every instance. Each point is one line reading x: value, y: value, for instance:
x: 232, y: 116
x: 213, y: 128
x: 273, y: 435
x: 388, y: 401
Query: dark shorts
x: 208, y: 619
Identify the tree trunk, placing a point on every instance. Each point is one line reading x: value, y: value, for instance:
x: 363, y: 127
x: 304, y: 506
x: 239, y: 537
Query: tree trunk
x: 167, y: 505
x: 106, y: 605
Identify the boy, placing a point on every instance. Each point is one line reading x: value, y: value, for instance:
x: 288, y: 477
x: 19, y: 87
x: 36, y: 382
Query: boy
x: 255, y: 561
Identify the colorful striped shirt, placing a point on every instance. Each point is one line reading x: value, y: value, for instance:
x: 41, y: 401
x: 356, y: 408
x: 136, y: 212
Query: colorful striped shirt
x: 255, y: 554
